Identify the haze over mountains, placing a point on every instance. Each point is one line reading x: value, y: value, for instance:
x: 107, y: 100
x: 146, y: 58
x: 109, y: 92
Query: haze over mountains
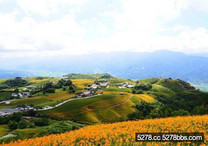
x: 131, y: 65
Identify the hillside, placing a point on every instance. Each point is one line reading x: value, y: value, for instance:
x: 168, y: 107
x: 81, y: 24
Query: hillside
x: 123, y: 133
x: 164, y: 95
x: 119, y: 100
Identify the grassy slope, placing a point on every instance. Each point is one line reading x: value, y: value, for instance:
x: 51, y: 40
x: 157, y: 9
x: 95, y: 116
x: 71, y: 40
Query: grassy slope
x: 83, y: 110
x: 3, y: 130
x: 99, y: 109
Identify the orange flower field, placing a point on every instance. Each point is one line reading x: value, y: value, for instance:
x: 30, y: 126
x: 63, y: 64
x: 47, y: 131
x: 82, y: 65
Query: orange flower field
x: 122, y: 133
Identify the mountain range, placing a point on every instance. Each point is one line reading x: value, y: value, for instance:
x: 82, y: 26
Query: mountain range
x: 130, y: 65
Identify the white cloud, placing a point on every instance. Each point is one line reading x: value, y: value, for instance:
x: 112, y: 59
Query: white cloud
x: 46, y: 7
x: 200, y: 5
x: 136, y: 26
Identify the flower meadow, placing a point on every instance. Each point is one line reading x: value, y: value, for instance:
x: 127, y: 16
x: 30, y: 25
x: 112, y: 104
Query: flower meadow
x: 123, y: 133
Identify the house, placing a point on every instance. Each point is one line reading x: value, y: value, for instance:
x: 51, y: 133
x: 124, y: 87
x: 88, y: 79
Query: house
x: 84, y: 94
x: 31, y: 86
x: 104, y: 84
x: 20, y: 95
x: 64, y: 77
x: 130, y: 86
x: 25, y: 89
x: 94, y: 86
x: 122, y: 85
x: 7, y: 102
x: 14, y: 95
x: 25, y: 94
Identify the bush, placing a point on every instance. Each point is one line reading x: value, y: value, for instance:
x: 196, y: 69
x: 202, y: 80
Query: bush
x: 22, y: 124
x: 50, y: 90
x: 59, y: 128
x: 200, y: 110
x: 71, y: 89
x: 12, y: 125
x: 15, y: 117
x: 180, y: 112
x: 41, y: 122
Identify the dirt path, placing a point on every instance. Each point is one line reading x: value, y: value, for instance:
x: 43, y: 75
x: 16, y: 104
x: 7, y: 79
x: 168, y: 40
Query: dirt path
x: 109, y: 107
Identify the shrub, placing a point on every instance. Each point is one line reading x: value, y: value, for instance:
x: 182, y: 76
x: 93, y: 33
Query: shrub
x: 41, y: 122
x: 12, y: 125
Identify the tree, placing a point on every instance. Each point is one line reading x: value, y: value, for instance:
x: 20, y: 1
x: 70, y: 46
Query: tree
x: 200, y: 110
x: 41, y: 122
x: 12, y: 125
x: 16, y: 90
x: 71, y: 89
x: 22, y: 124
x: 180, y: 112
x: 16, y: 117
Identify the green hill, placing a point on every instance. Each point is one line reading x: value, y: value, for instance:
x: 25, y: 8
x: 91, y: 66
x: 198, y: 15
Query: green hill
x: 171, y: 95
x: 89, y: 76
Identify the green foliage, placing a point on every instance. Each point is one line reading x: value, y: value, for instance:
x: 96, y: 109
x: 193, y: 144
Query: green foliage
x: 12, y: 125
x: 50, y: 90
x: 146, y: 110
x: 5, y: 95
x: 22, y: 124
x: 63, y: 82
x: 72, y: 89
x: 41, y: 121
x: 17, y: 82
x: 15, y: 117
x: 180, y: 112
x: 200, y: 110
x: 144, y: 87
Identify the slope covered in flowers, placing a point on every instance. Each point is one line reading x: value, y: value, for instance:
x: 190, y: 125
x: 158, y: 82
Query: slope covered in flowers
x: 122, y: 133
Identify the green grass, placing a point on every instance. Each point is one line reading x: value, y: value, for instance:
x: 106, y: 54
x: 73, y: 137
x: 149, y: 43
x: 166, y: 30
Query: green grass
x: 50, y: 100
x: 118, y: 80
x: 5, y: 95
x: 116, y: 89
x: 100, y: 108
x: 3, y: 130
x: 150, y: 80
x: 55, y: 126
x: 79, y: 103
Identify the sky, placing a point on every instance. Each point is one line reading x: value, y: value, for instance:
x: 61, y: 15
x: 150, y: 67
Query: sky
x: 41, y: 28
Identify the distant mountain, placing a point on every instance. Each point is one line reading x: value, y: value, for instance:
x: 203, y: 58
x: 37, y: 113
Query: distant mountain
x: 131, y: 65
x: 14, y: 73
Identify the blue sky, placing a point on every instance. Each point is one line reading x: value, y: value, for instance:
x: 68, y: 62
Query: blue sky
x: 40, y: 28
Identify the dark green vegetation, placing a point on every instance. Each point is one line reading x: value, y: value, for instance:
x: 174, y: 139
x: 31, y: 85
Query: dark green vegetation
x: 31, y: 125
x: 174, y: 98
x: 12, y: 83
x: 5, y: 95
